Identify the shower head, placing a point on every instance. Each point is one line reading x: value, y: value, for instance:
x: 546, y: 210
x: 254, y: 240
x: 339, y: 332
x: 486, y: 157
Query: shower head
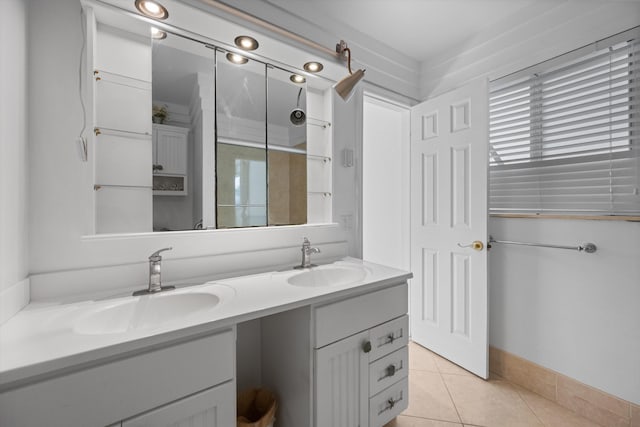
x: 298, y: 117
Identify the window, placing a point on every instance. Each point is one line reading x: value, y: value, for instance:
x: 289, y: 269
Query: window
x: 564, y: 137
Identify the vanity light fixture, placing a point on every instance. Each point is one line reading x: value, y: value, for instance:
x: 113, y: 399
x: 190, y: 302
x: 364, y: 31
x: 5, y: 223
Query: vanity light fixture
x: 236, y: 59
x: 152, y: 9
x: 157, y: 34
x: 297, y: 78
x: 313, y: 67
x: 246, y: 43
x: 345, y: 87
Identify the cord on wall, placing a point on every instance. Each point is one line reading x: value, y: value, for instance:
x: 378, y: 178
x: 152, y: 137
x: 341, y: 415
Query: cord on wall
x: 81, y: 140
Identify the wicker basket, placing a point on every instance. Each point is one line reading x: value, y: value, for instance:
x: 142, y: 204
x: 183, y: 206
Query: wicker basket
x: 256, y: 408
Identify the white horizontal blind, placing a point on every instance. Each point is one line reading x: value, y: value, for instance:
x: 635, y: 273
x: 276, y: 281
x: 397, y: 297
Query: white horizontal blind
x: 567, y: 140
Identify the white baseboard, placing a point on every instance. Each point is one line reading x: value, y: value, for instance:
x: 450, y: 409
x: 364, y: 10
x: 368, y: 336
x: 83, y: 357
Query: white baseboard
x: 13, y: 299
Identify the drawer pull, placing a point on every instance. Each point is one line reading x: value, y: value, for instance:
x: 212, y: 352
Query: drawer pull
x: 389, y: 339
x: 366, y: 347
x: 391, y: 370
x: 390, y: 404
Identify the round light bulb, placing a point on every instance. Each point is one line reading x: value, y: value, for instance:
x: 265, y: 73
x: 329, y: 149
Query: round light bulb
x: 157, y: 34
x: 151, y: 7
x: 313, y: 67
x: 246, y: 42
x: 236, y: 59
x: 297, y: 78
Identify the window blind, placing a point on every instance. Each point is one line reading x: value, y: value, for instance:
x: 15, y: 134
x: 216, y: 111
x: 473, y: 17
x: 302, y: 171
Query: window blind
x: 567, y: 139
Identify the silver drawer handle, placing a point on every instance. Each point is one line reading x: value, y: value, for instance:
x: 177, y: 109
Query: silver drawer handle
x: 390, y: 404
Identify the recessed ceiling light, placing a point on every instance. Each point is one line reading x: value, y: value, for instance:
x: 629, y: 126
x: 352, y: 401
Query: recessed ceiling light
x: 158, y: 34
x: 313, y: 67
x: 152, y: 9
x: 297, y: 78
x: 246, y: 42
x: 236, y: 59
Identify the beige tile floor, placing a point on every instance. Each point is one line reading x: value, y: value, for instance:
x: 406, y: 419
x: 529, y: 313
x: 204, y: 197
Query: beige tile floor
x: 442, y: 394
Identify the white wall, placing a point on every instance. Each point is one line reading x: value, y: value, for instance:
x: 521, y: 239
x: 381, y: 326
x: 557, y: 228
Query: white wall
x: 347, y: 125
x: 13, y: 158
x: 63, y: 261
x: 500, y: 51
x: 385, y: 183
x: 576, y: 313
x: 347, y: 135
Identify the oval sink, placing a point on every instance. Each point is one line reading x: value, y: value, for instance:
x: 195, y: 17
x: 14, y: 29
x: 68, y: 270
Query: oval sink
x: 328, y: 276
x: 145, y: 312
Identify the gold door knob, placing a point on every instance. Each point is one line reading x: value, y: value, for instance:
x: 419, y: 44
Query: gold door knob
x: 476, y: 245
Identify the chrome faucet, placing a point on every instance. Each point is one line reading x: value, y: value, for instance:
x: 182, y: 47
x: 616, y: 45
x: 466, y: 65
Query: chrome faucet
x: 155, y: 282
x: 307, y: 250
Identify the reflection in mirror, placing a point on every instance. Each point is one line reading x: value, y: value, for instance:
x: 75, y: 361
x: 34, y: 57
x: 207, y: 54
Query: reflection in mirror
x: 287, y: 148
x: 187, y: 138
x: 182, y: 92
x: 241, y: 157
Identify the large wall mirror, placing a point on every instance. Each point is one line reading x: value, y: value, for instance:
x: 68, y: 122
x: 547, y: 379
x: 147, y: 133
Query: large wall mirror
x: 261, y: 137
x: 224, y: 143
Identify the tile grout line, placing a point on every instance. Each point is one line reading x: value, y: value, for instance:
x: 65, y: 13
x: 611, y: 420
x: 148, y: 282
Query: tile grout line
x: 449, y: 393
x: 527, y: 403
x: 437, y: 419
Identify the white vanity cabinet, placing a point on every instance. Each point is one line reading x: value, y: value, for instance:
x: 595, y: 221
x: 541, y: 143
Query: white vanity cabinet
x: 211, y: 408
x: 191, y: 381
x: 361, y: 359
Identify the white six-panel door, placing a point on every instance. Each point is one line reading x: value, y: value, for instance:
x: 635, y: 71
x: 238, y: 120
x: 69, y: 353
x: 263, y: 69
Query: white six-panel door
x: 449, y: 295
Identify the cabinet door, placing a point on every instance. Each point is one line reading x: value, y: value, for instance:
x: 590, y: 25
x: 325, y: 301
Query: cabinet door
x: 215, y: 407
x: 170, y: 151
x: 342, y: 383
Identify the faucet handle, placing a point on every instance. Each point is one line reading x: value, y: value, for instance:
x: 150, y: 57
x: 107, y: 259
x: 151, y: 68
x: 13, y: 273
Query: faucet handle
x: 306, y: 241
x: 156, y: 255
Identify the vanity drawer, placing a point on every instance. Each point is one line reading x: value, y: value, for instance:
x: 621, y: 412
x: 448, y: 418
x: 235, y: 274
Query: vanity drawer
x: 388, y: 370
x: 389, y: 403
x: 120, y: 389
x: 389, y: 337
x: 344, y: 318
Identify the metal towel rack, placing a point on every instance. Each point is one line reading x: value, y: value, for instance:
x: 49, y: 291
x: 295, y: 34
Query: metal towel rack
x: 585, y: 247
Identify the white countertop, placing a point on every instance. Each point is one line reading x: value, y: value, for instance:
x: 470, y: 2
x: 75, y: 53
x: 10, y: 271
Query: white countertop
x: 44, y: 340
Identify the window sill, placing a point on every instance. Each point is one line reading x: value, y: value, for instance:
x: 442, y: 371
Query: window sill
x: 572, y: 217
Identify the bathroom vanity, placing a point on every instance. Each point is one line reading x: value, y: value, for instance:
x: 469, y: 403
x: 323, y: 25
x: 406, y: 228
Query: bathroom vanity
x: 330, y: 341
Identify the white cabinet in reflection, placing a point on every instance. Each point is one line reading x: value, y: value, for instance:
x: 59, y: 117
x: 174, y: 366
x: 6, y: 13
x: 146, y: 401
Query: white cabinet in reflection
x: 170, y: 160
x: 170, y: 149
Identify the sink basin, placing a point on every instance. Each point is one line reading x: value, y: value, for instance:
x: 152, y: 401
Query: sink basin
x: 328, y: 276
x: 145, y: 312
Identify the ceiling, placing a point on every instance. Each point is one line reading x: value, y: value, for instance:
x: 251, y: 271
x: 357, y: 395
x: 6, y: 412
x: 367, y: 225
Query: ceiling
x: 421, y: 29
